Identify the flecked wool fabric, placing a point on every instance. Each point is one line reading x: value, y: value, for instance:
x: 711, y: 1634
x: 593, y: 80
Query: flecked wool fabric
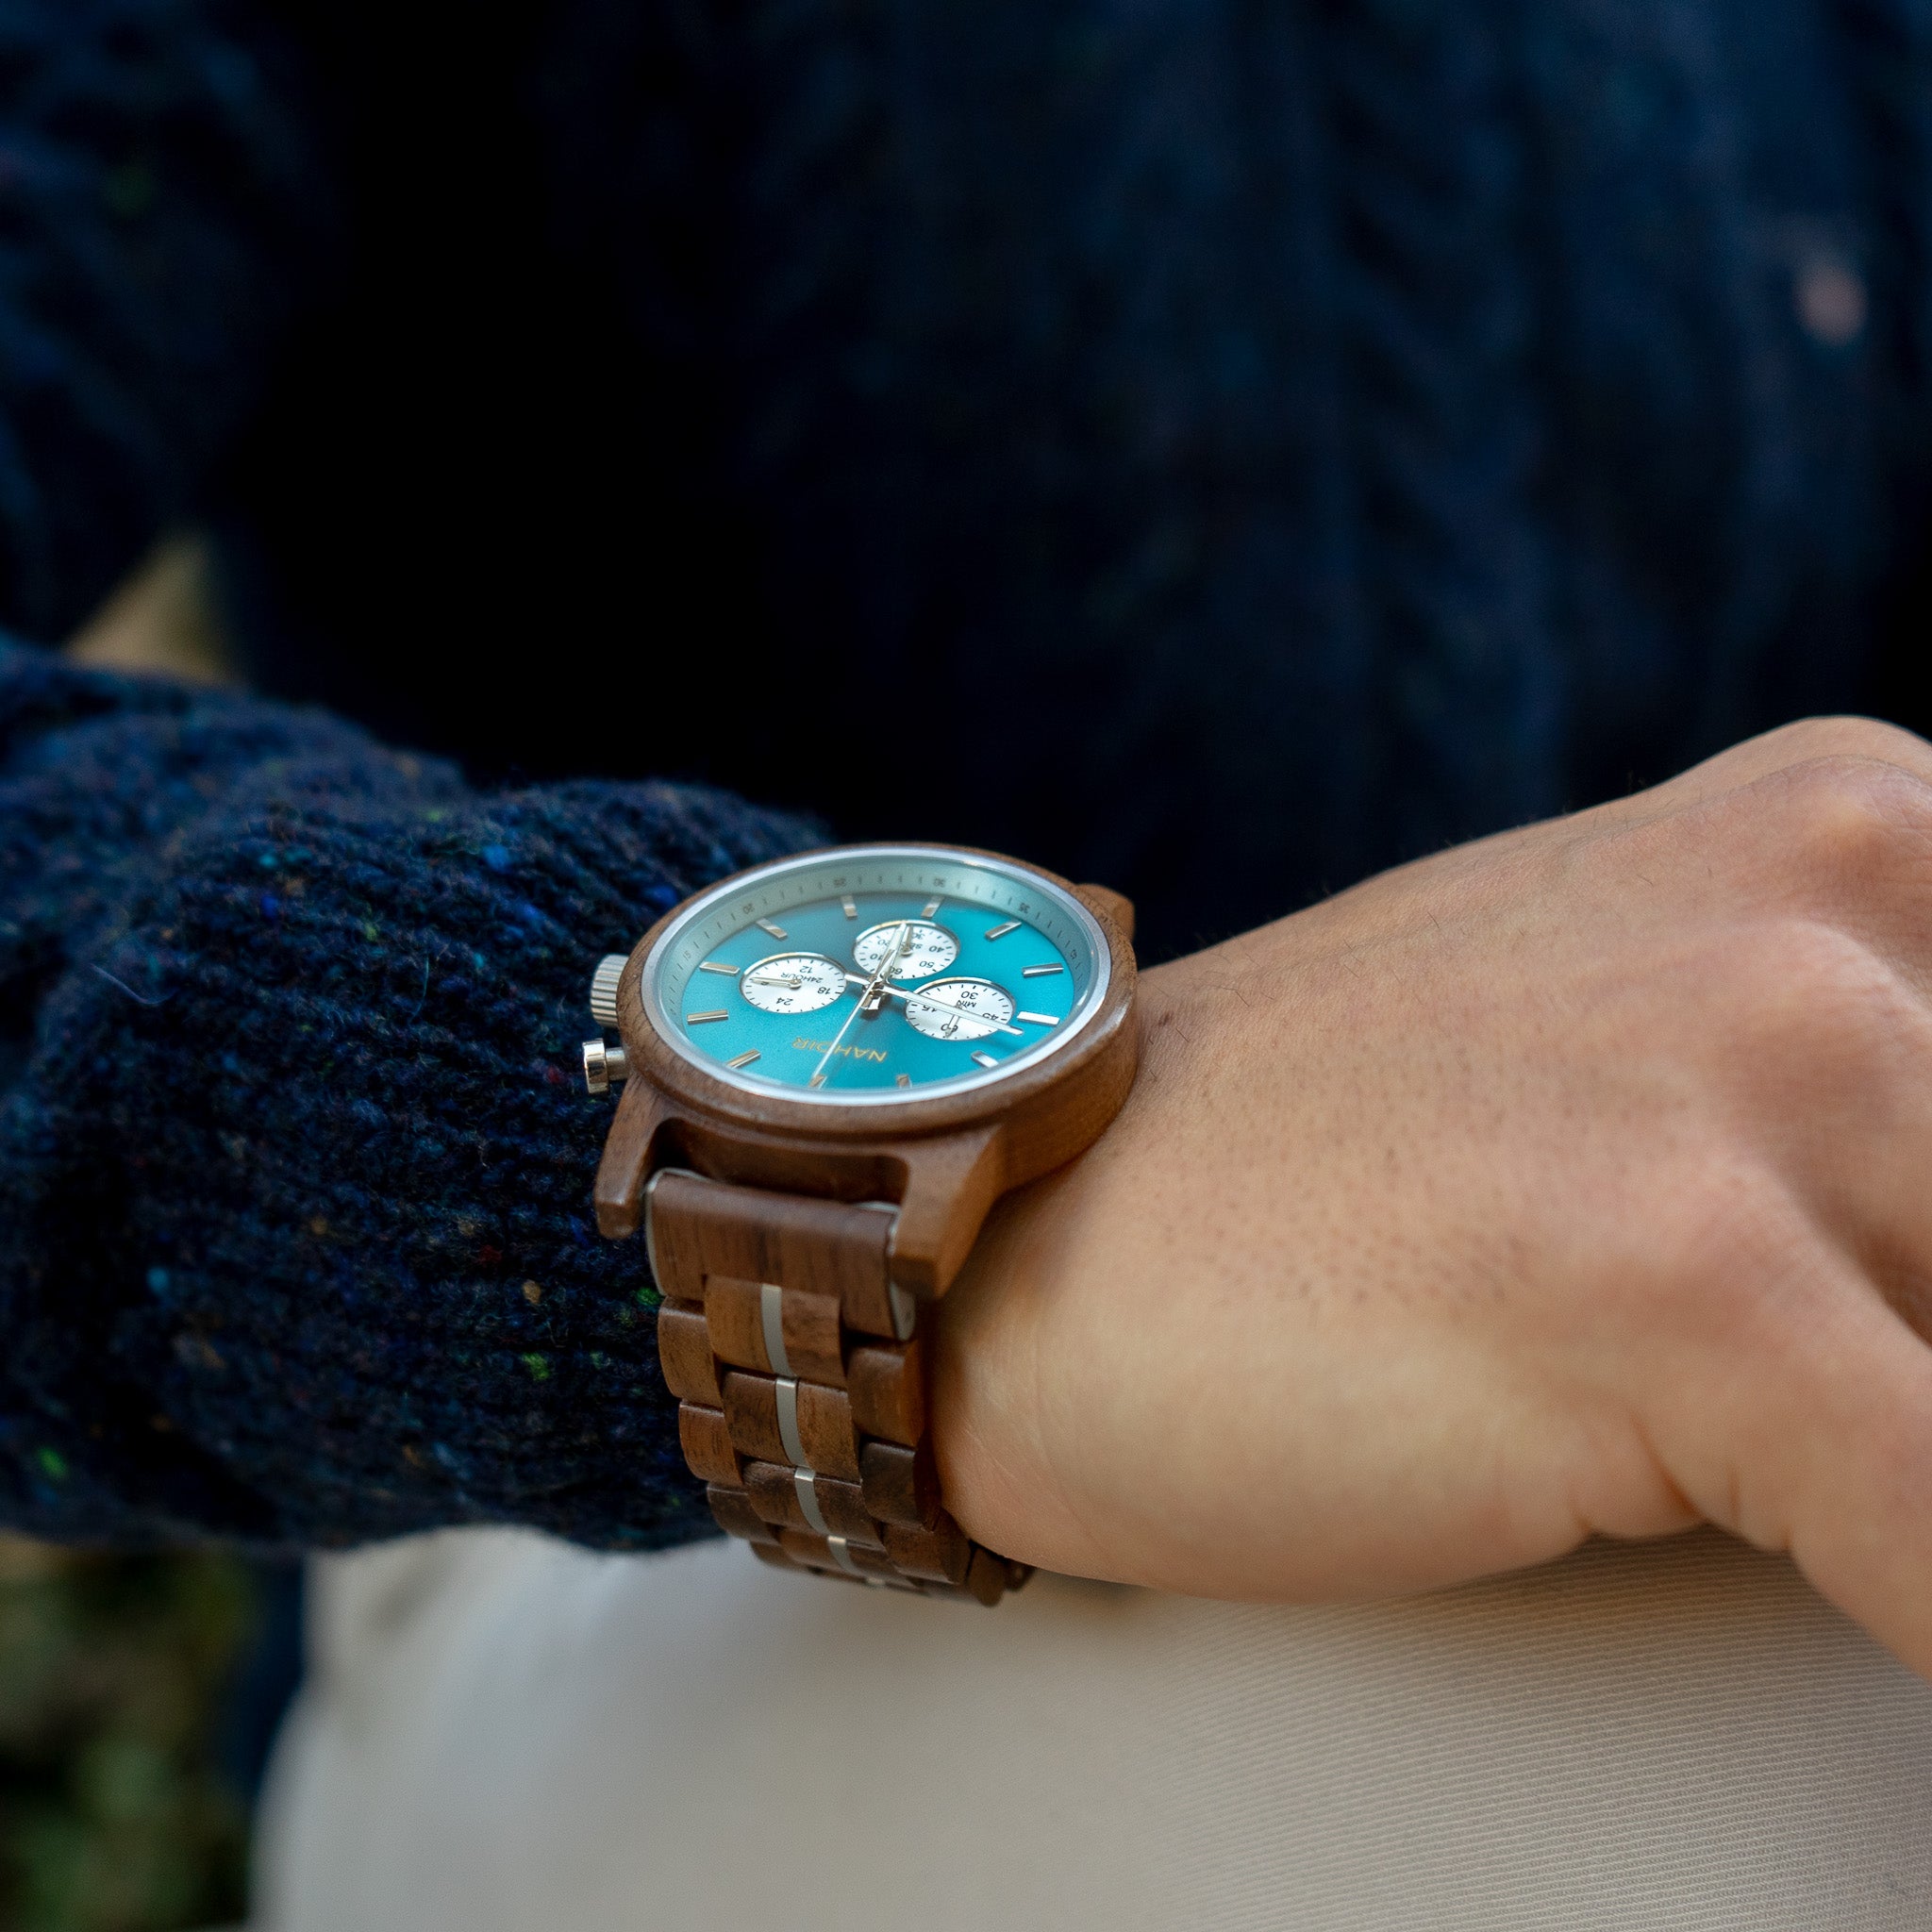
x: 1326, y: 429
x: 295, y: 1161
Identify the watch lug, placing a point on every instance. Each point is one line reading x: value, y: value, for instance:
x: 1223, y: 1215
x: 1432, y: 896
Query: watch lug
x: 951, y: 1183
x: 626, y: 1163
x: 1110, y: 905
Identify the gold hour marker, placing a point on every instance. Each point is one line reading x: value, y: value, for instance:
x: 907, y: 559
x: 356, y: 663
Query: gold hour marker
x: 904, y: 1079
x: 816, y: 1080
x: 932, y: 906
x: 1039, y: 972
x: 851, y: 905
x: 778, y: 932
x: 743, y: 1060
x: 999, y: 932
x: 985, y: 1059
x: 1038, y: 1019
x: 712, y: 966
x: 699, y: 1019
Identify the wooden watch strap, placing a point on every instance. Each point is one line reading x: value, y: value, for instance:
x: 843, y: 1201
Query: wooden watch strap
x: 801, y: 1381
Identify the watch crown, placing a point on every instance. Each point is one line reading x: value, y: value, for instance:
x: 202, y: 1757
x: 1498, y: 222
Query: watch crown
x: 603, y: 988
x: 604, y: 1067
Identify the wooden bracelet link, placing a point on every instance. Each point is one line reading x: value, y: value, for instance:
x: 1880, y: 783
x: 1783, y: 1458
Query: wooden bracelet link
x: 802, y: 1386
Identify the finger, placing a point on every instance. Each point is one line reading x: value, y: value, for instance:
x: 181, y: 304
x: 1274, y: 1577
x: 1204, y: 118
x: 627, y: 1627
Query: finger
x: 1834, y: 1464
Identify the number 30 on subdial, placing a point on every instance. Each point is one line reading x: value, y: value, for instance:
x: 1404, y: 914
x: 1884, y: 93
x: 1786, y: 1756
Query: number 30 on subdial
x: 958, y: 1008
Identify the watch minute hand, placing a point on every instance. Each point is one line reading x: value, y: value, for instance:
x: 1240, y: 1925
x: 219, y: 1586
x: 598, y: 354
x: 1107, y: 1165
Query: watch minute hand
x: 873, y: 985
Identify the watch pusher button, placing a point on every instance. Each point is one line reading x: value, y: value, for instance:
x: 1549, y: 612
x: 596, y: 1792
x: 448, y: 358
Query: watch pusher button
x: 604, y: 1067
x: 603, y: 988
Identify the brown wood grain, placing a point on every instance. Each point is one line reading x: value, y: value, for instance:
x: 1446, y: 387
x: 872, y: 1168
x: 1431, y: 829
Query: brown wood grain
x: 629, y: 1154
x: 704, y: 1228
x: 751, y: 1411
x: 708, y: 1446
x: 684, y: 1353
x: 813, y: 1336
x: 825, y: 1428
x: 774, y: 1497
x: 901, y: 1485
x: 1110, y: 905
x: 813, y: 1550
x: 943, y: 1552
x: 808, y: 1327
x: 987, y: 1577
x: 824, y: 1423
x: 887, y: 1386
x: 735, y: 1514
x: 734, y: 1315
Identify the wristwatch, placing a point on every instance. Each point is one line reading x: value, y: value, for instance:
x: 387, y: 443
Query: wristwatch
x: 832, y: 1067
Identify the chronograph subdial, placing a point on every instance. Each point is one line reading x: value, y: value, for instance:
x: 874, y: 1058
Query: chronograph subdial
x: 928, y: 948
x: 792, y: 983
x: 959, y: 1010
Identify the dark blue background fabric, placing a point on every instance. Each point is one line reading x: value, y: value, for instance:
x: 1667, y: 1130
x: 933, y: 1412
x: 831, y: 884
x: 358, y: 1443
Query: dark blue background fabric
x: 1215, y: 447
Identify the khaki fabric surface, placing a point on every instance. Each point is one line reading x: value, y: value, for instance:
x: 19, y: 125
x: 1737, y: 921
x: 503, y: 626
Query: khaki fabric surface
x: 507, y: 1733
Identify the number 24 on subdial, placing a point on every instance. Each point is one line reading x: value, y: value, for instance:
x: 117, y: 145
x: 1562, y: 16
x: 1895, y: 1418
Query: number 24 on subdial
x: 792, y: 983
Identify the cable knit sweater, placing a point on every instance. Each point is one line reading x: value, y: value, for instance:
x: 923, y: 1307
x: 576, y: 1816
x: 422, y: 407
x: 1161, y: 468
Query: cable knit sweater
x: 296, y: 1242
x: 1330, y: 428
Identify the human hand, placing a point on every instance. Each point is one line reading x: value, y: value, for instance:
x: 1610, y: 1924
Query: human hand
x: 1576, y: 1181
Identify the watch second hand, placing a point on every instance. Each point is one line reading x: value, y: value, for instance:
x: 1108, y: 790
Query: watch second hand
x: 873, y: 985
x: 926, y: 999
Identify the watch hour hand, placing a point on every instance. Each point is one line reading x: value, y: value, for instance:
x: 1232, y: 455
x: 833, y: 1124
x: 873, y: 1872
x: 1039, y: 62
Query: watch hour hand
x: 863, y: 1004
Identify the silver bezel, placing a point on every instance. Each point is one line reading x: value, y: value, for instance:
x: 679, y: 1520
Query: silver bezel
x: 978, y: 1081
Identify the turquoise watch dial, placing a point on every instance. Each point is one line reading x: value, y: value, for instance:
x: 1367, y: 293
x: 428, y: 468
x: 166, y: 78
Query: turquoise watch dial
x: 876, y: 973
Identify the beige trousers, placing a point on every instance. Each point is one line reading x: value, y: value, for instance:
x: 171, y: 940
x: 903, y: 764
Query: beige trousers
x: 507, y: 1735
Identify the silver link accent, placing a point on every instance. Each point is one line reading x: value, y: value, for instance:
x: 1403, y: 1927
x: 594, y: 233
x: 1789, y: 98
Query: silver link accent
x: 788, y: 1423
x: 603, y: 988
x: 808, y: 1490
x: 905, y: 1311
x: 903, y: 1306
x: 843, y: 1557
x: 772, y: 1311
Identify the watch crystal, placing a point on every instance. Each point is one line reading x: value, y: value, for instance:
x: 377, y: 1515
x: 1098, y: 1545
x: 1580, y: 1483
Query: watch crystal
x: 902, y: 977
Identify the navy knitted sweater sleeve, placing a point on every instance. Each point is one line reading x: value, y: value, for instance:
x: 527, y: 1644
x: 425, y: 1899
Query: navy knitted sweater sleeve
x: 295, y: 1245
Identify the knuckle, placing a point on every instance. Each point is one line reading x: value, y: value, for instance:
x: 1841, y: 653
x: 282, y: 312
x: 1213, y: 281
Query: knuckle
x: 1845, y: 736
x: 1850, y: 820
x: 1812, y: 1009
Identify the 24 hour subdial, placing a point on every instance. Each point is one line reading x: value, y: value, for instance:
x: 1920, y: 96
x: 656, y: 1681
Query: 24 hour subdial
x: 792, y: 983
x: 958, y: 1008
x: 929, y: 948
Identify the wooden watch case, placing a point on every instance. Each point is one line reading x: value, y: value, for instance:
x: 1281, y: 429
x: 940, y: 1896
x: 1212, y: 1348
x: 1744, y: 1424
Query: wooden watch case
x: 941, y: 1161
